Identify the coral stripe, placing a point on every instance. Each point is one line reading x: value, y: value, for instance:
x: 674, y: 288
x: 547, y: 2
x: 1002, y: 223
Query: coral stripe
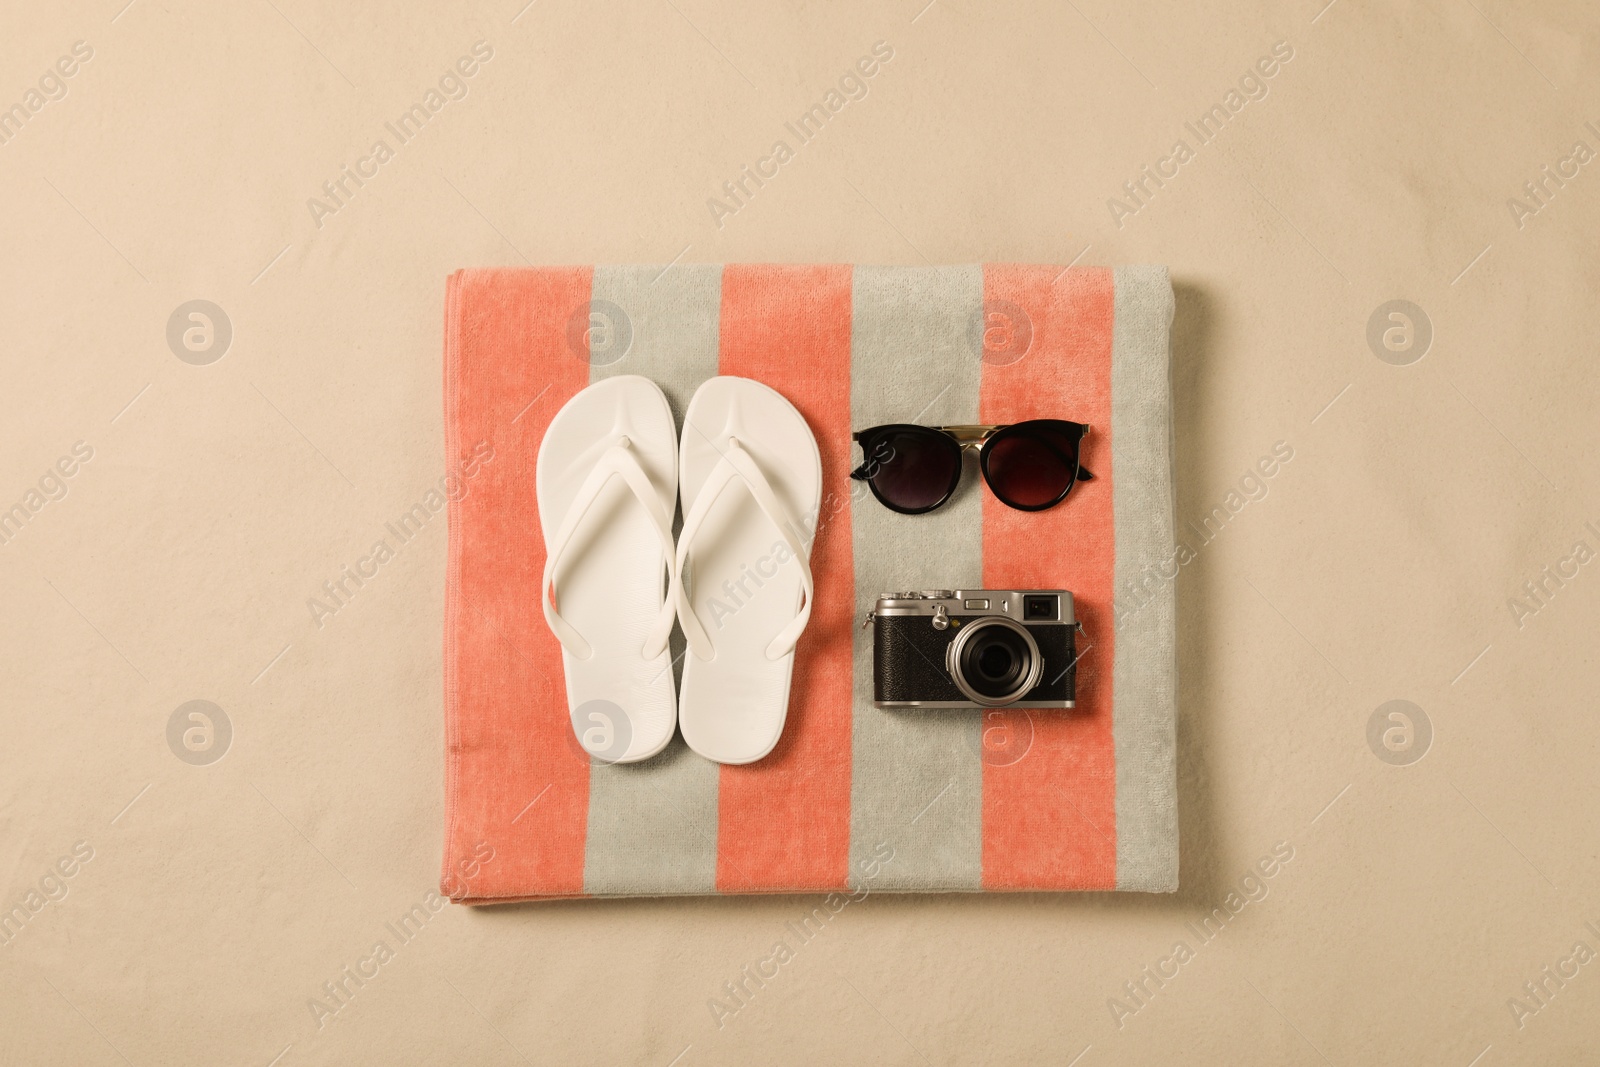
x: 784, y: 821
x: 506, y: 720
x: 1049, y: 818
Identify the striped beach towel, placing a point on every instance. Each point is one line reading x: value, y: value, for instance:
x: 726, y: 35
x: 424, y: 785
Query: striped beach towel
x: 853, y: 795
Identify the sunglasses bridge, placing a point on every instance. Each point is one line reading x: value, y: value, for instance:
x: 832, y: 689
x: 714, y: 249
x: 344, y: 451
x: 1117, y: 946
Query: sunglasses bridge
x: 975, y: 436
x: 970, y: 436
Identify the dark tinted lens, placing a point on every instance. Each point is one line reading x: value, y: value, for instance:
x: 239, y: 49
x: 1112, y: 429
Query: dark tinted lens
x: 914, y: 470
x: 1032, y: 465
x: 996, y: 661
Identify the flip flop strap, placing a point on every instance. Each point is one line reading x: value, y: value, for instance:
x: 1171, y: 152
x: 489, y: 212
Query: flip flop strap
x: 617, y: 462
x: 737, y: 463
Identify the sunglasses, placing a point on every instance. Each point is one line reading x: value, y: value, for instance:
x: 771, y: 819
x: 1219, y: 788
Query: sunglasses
x: 1029, y: 465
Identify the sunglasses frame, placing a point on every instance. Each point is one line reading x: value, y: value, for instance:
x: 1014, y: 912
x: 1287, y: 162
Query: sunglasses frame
x: 962, y: 438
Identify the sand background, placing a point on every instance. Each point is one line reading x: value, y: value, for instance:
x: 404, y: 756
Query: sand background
x: 1381, y: 564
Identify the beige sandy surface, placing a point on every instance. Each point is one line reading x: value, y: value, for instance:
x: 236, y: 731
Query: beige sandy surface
x: 207, y: 904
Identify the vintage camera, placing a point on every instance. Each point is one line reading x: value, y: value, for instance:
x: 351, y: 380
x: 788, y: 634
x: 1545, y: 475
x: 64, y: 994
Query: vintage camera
x: 974, y: 648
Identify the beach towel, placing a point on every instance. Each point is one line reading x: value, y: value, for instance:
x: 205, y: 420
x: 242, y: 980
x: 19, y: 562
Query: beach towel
x: 853, y: 796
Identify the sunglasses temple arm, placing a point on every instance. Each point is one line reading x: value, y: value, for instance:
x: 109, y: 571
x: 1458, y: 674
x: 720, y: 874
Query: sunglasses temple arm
x: 1084, y: 475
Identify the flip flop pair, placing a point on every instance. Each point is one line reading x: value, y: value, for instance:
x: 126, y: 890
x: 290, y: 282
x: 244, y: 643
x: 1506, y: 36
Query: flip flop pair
x: 737, y: 580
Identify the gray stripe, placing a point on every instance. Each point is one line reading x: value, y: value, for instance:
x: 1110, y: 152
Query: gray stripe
x: 1145, y: 673
x: 917, y: 780
x: 653, y: 825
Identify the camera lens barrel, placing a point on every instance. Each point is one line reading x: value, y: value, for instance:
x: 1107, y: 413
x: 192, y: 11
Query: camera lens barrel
x: 994, y: 661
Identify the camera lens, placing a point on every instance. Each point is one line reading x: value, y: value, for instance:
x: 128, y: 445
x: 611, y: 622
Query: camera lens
x: 995, y: 661
x: 1039, y: 607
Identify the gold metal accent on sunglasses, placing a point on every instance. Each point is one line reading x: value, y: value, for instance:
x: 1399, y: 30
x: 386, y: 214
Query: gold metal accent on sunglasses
x: 973, y: 436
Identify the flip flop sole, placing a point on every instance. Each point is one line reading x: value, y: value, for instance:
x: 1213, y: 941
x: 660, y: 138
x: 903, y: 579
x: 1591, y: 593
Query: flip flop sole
x: 611, y: 585
x: 743, y: 584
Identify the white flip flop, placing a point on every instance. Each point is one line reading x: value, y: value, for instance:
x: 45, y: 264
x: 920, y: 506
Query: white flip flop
x: 751, y: 481
x: 607, y: 481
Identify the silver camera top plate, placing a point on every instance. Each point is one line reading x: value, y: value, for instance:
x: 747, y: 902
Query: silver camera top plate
x: 1007, y: 603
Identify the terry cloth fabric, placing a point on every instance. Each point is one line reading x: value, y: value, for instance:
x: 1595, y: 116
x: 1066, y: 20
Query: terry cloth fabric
x: 914, y: 801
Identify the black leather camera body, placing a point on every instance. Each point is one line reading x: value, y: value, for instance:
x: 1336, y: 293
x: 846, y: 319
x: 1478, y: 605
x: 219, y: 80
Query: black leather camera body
x: 975, y: 648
